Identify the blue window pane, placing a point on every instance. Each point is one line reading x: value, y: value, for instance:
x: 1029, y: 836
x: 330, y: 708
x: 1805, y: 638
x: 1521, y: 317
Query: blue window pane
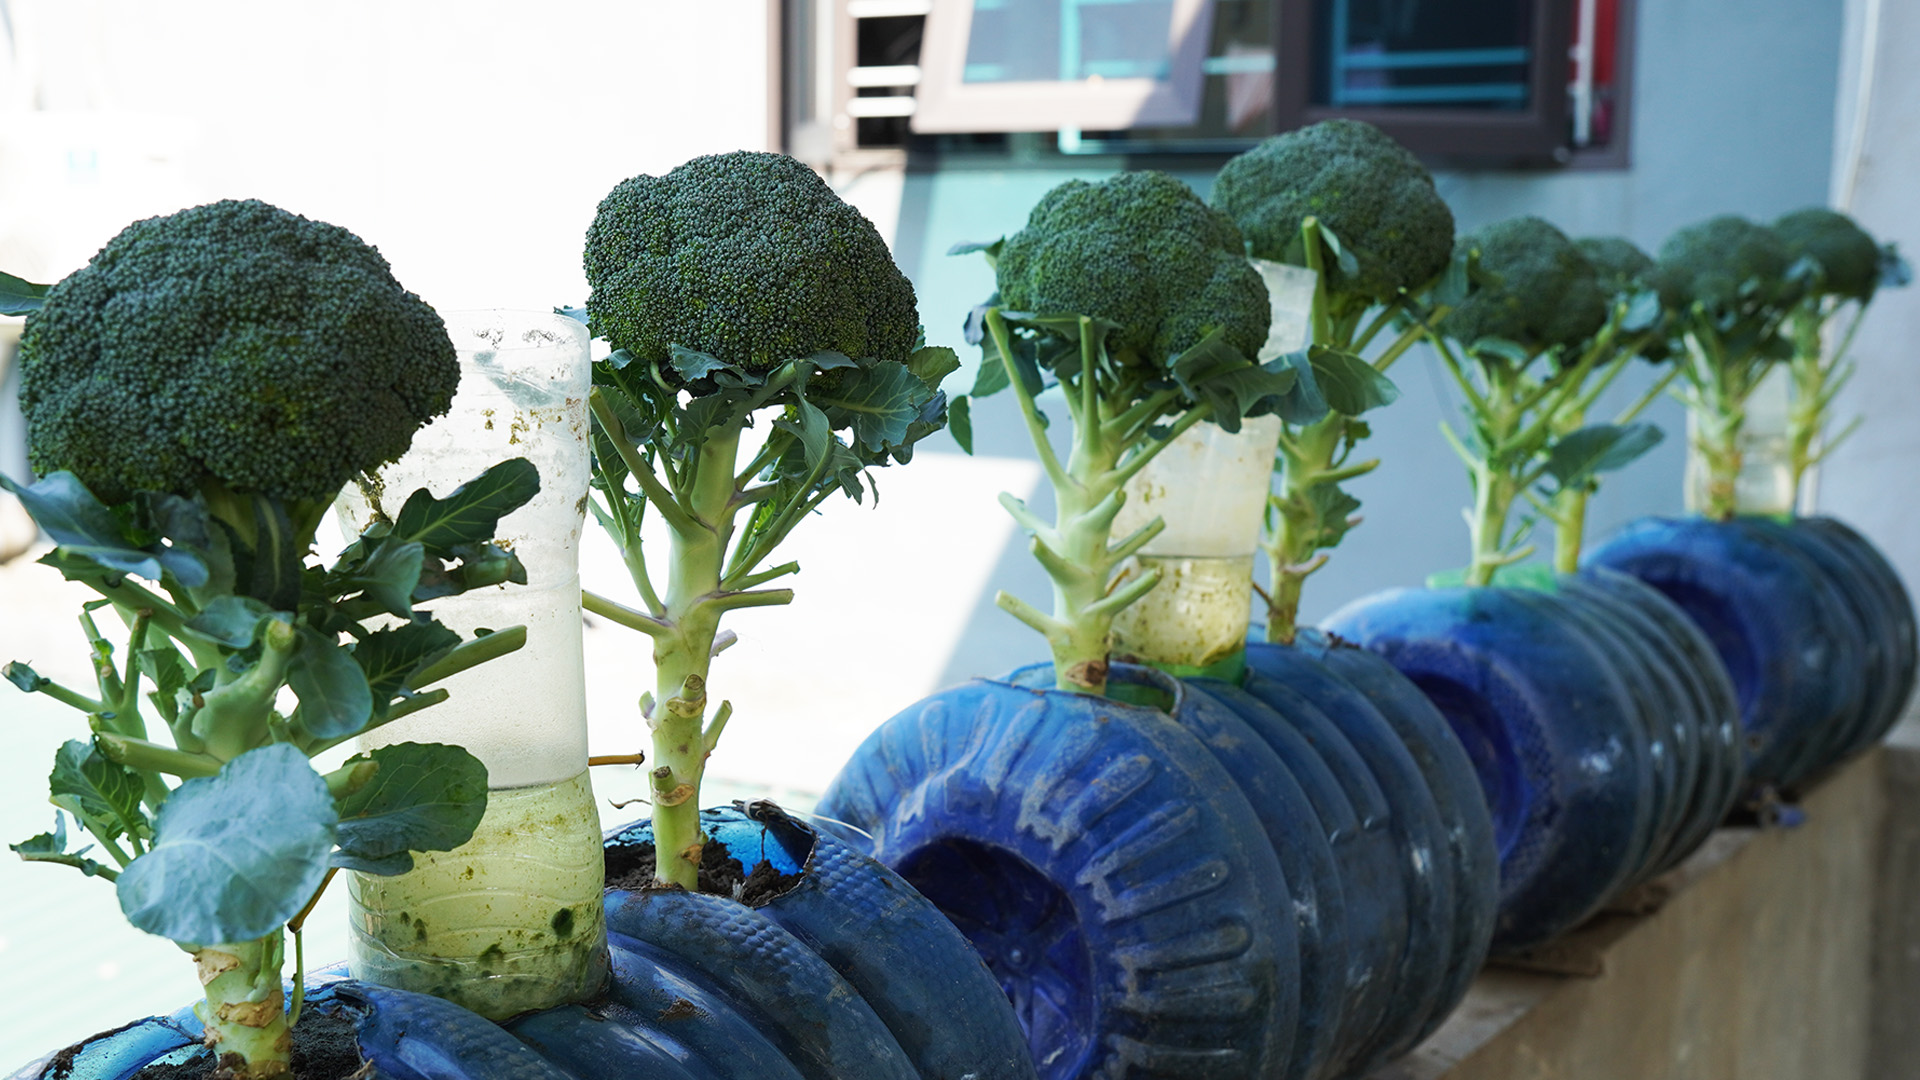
x: 1422, y: 53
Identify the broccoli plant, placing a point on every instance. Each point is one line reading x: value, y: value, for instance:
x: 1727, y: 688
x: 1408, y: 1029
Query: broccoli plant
x: 1344, y: 200
x: 1843, y: 266
x: 195, y: 397
x: 1577, y: 453
x: 1524, y: 349
x: 1133, y: 297
x: 1729, y: 284
x: 736, y: 289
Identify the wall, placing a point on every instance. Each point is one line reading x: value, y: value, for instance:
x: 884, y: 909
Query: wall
x: 1733, y: 112
x: 1869, y: 479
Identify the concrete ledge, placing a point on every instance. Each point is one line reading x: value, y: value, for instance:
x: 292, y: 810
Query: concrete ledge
x: 1759, y: 965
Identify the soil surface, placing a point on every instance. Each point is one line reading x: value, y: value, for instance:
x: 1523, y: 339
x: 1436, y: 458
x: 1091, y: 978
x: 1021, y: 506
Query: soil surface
x: 323, y: 1049
x: 630, y: 867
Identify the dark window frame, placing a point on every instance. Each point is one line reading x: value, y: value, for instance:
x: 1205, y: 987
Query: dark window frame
x: 1537, y: 134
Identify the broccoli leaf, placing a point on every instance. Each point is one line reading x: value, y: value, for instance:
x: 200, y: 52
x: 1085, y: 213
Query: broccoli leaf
x: 960, y: 422
x: 878, y: 404
x: 1580, y: 455
x: 1493, y: 348
x: 828, y: 360
x: 471, y: 513
x: 692, y: 364
x: 1350, y: 385
x: 83, y: 525
x: 23, y: 676
x: 51, y: 847
x: 1643, y: 312
x: 424, y: 797
x: 232, y: 621
x: 1334, y: 512
x: 169, y: 675
x: 1215, y: 373
x: 385, y: 571
x: 1304, y: 403
x: 234, y: 855
x: 813, y: 431
x: 932, y: 364
x: 335, y: 698
x: 388, y: 658
x: 101, y: 793
x: 18, y: 296
x: 989, y: 248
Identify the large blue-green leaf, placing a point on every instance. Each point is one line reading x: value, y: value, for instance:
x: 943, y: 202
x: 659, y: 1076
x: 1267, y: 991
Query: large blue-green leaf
x: 390, y: 657
x: 335, y: 700
x: 84, y: 526
x: 932, y: 364
x: 1303, y: 404
x: 101, y: 793
x: 810, y: 426
x: 1219, y: 375
x: 1350, y: 385
x: 234, y: 855
x: 877, y: 404
x: 19, y: 296
x: 1581, y: 455
x: 387, y: 574
x: 232, y: 621
x: 424, y: 797
x: 471, y: 513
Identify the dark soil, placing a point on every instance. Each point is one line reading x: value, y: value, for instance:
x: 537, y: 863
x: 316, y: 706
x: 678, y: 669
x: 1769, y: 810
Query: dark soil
x: 630, y: 867
x: 323, y: 1049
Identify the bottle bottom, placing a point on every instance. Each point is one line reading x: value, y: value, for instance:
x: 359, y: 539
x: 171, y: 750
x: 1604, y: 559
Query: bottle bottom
x: 509, y: 921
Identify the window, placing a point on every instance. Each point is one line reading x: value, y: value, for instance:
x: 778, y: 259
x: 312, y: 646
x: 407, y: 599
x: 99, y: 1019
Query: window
x: 1475, y: 81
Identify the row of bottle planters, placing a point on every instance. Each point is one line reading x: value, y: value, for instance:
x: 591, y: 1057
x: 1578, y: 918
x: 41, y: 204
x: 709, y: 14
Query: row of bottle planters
x: 1293, y: 876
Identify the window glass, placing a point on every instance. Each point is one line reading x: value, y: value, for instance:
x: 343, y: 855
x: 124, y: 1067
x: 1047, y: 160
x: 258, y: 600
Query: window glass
x: 1068, y: 40
x: 1449, y: 54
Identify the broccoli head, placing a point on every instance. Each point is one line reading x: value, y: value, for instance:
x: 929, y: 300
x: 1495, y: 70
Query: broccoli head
x: 1140, y: 250
x: 1618, y: 262
x: 1368, y: 190
x: 1543, y: 291
x: 236, y: 345
x: 1724, y: 264
x: 749, y: 257
x: 1850, y: 262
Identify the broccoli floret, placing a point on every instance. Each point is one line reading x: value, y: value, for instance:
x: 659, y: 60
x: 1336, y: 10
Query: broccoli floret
x: 1850, y: 262
x: 1725, y: 264
x: 1543, y: 292
x: 1368, y: 190
x: 1619, y: 263
x: 1143, y: 251
x: 749, y: 257
x: 235, y: 345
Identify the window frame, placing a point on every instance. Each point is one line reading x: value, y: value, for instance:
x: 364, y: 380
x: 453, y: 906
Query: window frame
x: 947, y: 104
x: 1538, y: 133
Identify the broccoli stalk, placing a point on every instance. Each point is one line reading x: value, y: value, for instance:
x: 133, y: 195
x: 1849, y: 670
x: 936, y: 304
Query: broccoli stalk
x: 194, y: 398
x: 1844, y: 266
x: 1344, y: 200
x: 1131, y: 294
x: 1727, y: 280
x: 735, y: 288
x: 1522, y: 350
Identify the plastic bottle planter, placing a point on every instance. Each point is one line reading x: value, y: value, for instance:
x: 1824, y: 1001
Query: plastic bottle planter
x: 1809, y: 618
x: 1415, y: 800
x: 1764, y: 484
x: 1210, y: 488
x: 841, y: 972
x: 512, y: 920
x: 1183, y: 893
x: 844, y: 970
x: 407, y: 1036
x: 1600, y: 727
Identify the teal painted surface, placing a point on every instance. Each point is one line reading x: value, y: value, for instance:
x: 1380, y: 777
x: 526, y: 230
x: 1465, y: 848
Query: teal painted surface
x: 1733, y: 112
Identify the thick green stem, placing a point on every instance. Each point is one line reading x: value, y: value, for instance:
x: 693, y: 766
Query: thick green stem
x: 245, y: 1008
x: 233, y: 717
x: 1295, y: 534
x: 1494, y: 484
x: 1569, y: 512
x: 682, y: 655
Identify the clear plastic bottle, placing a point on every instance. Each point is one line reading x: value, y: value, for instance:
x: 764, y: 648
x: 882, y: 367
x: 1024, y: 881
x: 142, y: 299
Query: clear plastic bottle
x: 511, y: 920
x: 1764, y: 484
